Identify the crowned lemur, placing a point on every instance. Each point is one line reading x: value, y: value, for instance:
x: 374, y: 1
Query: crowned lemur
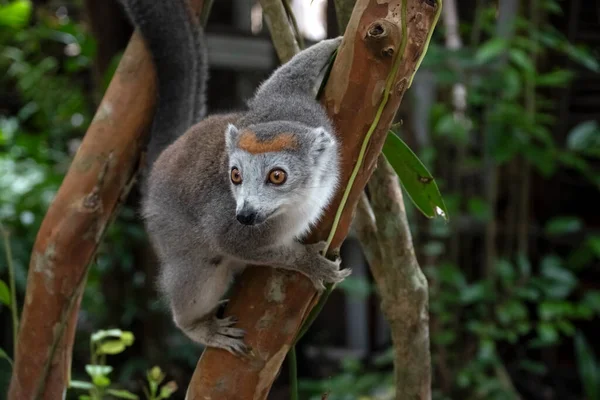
x: 233, y: 189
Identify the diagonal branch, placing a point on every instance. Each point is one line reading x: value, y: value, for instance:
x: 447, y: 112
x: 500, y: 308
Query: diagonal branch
x: 97, y: 182
x: 373, y: 69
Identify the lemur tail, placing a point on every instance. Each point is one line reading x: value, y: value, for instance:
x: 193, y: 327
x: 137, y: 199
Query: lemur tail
x: 176, y: 42
x: 302, y: 73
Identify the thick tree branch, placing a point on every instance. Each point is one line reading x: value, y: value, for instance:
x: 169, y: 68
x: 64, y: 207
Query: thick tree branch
x: 272, y: 304
x: 97, y: 182
x: 401, y: 284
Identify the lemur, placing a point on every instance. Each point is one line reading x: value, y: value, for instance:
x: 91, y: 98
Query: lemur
x: 236, y: 189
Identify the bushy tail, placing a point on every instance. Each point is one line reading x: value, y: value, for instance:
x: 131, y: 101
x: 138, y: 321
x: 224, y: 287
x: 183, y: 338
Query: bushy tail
x: 176, y: 42
x: 301, y: 74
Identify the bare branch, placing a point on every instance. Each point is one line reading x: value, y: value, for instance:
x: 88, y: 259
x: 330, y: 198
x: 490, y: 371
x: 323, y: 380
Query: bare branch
x: 281, y: 31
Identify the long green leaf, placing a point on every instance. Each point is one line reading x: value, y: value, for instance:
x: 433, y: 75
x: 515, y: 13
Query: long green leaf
x: 81, y: 385
x: 122, y: 394
x: 4, y: 293
x: 5, y: 356
x: 415, y: 178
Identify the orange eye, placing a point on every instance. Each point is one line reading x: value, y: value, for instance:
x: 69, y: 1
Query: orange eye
x: 277, y: 176
x: 236, y: 176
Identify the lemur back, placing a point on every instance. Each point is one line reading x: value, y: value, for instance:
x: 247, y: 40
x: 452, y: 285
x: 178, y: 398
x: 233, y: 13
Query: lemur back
x: 234, y: 189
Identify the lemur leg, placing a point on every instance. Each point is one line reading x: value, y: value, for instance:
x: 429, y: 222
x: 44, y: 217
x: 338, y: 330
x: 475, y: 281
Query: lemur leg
x: 195, y: 305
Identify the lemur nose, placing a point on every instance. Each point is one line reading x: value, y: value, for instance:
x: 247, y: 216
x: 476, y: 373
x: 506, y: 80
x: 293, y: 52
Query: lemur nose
x: 246, y: 217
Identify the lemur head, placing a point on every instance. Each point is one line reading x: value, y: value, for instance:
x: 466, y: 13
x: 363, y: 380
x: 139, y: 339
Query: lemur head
x: 284, y: 169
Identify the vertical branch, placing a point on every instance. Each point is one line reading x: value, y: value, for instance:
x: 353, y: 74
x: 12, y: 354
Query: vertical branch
x: 280, y: 28
x: 530, y: 106
x: 505, y: 27
x: 98, y: 180
x: 402, y: 285
x: 271, y: 304
x: 459, y: 103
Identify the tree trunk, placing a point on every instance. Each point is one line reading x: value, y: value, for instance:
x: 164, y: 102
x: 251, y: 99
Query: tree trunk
x: 272, y: 304
x: 382, y: 227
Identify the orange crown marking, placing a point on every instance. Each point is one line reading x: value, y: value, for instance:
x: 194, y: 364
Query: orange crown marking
x: 250, y: 143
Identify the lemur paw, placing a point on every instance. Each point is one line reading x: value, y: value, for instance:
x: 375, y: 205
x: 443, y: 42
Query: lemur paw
x: 322, y: 270
x: 220, y: 333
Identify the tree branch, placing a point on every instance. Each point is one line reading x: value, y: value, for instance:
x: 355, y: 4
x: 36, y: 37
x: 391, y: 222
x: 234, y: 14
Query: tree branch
x: 98, y: 180
x: 400, y: 282
x: 271, y: 304
x: 282, y: 34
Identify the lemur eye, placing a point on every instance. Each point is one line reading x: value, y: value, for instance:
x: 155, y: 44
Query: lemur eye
x: 277, y: 176
x: 236, y: 176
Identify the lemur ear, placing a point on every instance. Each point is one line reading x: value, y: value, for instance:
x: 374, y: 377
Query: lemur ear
x: 231, y: 135
x: 322, y: 141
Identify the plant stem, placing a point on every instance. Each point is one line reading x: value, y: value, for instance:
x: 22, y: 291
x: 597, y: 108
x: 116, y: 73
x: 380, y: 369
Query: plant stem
x: 13, y: 290
x: 293, y: 363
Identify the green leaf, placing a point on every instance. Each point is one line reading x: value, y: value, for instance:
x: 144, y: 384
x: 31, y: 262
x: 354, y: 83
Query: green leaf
x: 5, y: 356
x: 585, y: 138
x: 122, y: 394
x: 127, y: 338
x: 557, y: 78
x: 4, y: 293
x: 589, y: 369
x: 490, y: 50
x: 81, y: 385
x: 560, y: 282
x: 15, y: 14
x: 474, y: 293
x: 102, y: 334
x: 563, y: 225
x: 101, y: 381
x: 522, y: 60
x: 414, y: 177
x: 168, y: 389
x: 547, y: 333
x: 111, y: 347
x: 98, y: 370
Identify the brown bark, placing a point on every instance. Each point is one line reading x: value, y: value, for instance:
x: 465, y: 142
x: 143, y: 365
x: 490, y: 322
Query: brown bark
x: 272, y: 304
x: 97, y: 181
x: 383, y: 230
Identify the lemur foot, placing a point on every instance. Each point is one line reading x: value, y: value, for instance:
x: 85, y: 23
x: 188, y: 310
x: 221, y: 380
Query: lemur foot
x: 322, y: 270
x: 219, y: 333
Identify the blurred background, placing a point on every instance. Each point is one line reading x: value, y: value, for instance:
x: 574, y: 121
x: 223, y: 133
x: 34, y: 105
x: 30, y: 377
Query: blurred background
x: 504, y: 111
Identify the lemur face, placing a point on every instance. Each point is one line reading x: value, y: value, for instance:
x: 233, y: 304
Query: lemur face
x: 276, y: 169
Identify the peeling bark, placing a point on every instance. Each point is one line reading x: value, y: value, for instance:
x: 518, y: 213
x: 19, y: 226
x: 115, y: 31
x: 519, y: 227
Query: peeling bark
x: 352, y: 97
x: 98, y: 180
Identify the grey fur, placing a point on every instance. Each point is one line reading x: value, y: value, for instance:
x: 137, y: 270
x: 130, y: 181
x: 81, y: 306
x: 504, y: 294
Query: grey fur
x: 176, y: 43
x: 191, y: 204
